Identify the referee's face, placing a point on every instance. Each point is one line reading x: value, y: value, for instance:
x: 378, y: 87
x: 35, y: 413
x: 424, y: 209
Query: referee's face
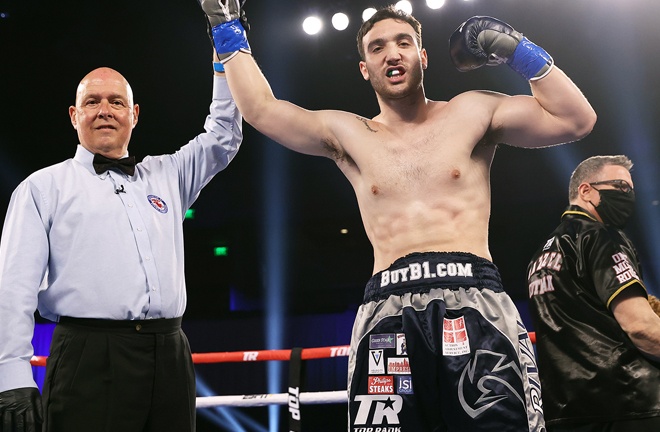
x: 104, y: 115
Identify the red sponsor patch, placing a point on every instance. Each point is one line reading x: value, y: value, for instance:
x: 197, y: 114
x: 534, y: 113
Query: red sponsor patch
x: 381, y: 384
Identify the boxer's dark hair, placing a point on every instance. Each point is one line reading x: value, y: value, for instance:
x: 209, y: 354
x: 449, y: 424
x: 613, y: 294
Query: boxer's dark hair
x: 388, y: 12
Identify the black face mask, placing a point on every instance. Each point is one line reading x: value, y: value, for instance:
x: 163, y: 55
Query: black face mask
x: 616, y: 206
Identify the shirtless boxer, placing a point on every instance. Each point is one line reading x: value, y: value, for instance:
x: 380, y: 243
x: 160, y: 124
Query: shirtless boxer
x: 420, y: 170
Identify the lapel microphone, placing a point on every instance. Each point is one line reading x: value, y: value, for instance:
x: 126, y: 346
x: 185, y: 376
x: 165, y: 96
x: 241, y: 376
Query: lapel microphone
x: 120, y: 189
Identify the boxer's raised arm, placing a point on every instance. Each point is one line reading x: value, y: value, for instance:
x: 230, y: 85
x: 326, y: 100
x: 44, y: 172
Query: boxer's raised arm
x: 292, y: 126
x: 557, y: 112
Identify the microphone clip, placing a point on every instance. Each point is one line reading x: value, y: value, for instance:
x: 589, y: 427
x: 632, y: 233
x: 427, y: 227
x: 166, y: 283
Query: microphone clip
x: 120, y: 189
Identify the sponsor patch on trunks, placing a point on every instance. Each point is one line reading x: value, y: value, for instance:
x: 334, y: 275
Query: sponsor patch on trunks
x: 455, y: 339
x: 376, y: 362
x: 404, y: 384
x: 398, y: 366
x: 382, y: 341
x: 381, y: 384
x: 401, y: 348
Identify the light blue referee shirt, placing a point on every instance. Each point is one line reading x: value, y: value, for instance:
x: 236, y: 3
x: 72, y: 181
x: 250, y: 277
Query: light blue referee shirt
x: 72, y: 246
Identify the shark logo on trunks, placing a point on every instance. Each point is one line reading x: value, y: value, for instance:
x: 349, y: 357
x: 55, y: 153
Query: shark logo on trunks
x: 424, y: 270
x: 488, y: 375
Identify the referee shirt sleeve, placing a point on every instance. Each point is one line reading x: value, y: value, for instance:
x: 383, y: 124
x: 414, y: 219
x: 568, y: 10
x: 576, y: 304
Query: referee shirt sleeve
x: 211, y: 151
x: 24, y: 254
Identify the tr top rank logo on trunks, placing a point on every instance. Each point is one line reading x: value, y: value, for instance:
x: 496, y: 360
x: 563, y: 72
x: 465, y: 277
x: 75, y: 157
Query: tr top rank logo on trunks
x: 425, y: 270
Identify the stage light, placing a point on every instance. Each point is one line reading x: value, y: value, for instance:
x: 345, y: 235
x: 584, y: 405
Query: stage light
x: 312, y: 25
x: 368, y: 13
x: 340, y: 21
x: 404, y: 6
x: 435, y: 4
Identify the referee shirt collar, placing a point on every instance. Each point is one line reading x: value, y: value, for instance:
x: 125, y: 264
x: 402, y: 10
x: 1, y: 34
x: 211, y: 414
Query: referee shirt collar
x: 86, y: 158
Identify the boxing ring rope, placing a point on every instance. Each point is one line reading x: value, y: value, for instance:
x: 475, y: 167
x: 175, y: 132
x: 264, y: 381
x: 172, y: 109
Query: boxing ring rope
x: 256, y: 400
x: 248, y: 356
x: 259, y: 400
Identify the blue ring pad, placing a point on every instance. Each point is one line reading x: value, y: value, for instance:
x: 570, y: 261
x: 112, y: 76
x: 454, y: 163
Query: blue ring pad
x: 230, y: 37
x: 529, y: 59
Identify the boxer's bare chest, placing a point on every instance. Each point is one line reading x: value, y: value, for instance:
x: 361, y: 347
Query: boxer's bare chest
x: 417, y: 159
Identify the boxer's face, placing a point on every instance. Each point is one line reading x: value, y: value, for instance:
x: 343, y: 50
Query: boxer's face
x: 394, y: 63
x: 104, y: 115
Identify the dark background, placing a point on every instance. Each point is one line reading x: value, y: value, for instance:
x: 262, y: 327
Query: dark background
x: 280, y: 213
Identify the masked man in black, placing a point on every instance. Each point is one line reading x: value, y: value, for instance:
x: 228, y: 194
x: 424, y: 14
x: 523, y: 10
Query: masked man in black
x: 598, y: 339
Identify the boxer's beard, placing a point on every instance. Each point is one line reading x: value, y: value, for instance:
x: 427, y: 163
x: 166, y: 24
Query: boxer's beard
x: 384, y: 89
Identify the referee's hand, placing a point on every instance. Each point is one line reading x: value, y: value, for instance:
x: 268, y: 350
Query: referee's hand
x: 20, y: 410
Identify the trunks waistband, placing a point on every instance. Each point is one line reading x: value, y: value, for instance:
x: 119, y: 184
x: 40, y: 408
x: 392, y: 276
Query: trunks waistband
x: 423, y: 271
x: 160, y: 325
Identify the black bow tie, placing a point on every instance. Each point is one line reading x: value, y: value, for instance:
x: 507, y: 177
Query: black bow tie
x: 125, y: 165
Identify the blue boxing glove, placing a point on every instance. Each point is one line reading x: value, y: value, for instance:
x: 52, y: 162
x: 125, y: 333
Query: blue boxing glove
x: 227, y: 27
x: 483, y: 40
x: 20, y: 410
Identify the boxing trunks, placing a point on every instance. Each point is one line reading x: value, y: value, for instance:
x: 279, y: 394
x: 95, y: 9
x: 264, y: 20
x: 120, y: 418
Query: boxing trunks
x: 437, y: 345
